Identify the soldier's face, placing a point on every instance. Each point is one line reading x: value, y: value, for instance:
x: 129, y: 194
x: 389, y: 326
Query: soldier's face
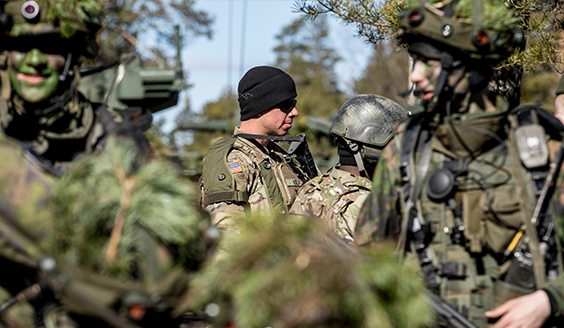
x: 425, y: 75
x: 34, y: 75
x: 277, y: 121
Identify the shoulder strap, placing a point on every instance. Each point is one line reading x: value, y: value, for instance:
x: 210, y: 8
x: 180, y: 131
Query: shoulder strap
x: 412, y: 228
x: 538, y: 220
x: 298, y: 147
x: 218, y: 183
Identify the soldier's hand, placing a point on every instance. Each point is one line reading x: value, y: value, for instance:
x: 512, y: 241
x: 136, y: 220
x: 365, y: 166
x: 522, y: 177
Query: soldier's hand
x: 529, y: 311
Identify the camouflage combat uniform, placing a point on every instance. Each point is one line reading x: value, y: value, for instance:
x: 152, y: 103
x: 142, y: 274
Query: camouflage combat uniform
x: 335, y: 198
x: 24, y: 189
x: 80, y: 127
x: 266, y: 179
x: 475, y: 274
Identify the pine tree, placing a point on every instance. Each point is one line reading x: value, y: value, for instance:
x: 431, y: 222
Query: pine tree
x: 296, y: 273
x: 116, y: 211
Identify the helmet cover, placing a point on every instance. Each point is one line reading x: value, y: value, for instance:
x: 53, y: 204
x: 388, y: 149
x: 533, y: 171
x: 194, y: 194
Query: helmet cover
x: 449, y: 26
x: 68, y: 19
x: 368, y: 119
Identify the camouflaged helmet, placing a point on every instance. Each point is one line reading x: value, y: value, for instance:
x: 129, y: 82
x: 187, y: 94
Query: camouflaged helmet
x: 368, y: 119
x: 77, y: 21
x: 363, y: 126
x: 468, y: 29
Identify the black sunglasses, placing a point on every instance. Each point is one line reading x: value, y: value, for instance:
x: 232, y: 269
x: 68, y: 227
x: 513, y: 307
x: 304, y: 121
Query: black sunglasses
x: 287, y: 105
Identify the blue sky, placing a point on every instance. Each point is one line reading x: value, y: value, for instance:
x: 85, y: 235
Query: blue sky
x: 206, y: 61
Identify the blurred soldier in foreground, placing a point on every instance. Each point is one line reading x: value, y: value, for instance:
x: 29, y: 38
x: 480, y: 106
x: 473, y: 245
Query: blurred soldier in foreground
x: 294, y: 272
x: 363, y: 126
x: 249, y: 170
x: 469, y: 181
x: 123, y: 235
x: 44, y: 43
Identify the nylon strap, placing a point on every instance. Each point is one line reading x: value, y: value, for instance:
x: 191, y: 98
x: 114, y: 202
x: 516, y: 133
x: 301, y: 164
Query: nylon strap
x: 526, y: 211
x: 405, y: 171
x: 298, y: 146
x: 411, y: 221
x: 225, y: 196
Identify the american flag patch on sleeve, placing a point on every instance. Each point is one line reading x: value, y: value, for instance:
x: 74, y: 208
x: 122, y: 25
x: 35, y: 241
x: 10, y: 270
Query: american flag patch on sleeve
x: 235, y: 166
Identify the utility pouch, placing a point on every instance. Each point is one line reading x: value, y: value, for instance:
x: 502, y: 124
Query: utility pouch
x: 521, y: 272
x: 423, y: 237
x: 531, y: 144
x: 453, y: 270
x: 504, y: 291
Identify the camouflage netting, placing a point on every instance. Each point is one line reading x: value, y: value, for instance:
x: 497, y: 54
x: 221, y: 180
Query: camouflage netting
x: 295, y: 273
x: 121, y: 215
x: 60, y: 16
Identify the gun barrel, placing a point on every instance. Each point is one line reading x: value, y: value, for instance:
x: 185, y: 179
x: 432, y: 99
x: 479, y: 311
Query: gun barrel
x: 447, y: 313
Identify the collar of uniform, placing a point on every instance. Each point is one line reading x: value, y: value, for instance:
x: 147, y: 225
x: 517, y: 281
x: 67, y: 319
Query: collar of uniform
x: 265, y: 150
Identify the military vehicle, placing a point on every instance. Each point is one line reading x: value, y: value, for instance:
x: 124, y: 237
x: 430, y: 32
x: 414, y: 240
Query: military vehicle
x: 154, y: 89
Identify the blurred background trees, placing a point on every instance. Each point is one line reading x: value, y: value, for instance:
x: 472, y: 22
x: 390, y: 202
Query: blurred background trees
x: 136, y: 25
x: 304, y: 50
x: 537, y: 66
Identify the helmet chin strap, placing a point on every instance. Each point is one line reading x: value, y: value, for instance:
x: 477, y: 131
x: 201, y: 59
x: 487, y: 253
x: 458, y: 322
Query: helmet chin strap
x: 356, y: 150
x: 442, y: 87
x: 58, y: 103
x: 63, y: 76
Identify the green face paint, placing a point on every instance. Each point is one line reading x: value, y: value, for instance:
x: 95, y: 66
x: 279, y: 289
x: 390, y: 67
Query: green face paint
x: 34, y: 75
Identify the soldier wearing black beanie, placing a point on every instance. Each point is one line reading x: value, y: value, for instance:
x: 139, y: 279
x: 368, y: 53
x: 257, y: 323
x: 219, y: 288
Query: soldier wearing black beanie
x: 249, y: 172
x: 262, y: 88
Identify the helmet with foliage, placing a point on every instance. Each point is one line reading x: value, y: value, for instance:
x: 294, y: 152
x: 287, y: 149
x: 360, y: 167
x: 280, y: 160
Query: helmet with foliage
x: 364, y: 125
x: 462, y: 28
x: 474, y: 35
x: 76, y: 21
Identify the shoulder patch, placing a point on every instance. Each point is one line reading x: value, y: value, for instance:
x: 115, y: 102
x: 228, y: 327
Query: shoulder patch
x: 235, y: 166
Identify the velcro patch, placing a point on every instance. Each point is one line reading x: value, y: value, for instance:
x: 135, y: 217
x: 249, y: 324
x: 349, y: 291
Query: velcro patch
x: 294, y: 182
x: 235, y: 166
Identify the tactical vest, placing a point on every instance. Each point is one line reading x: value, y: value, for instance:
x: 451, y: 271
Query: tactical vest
x: 495, y: 259
x: 279, y: 173
x: 80, y: 127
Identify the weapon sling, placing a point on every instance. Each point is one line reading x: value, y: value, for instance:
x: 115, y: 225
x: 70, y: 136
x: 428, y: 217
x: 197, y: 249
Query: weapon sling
x: 417, y: 133
x: 298, y: 144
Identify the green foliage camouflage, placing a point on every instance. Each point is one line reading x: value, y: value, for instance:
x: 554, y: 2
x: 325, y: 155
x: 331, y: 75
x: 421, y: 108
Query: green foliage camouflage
x: 67, y: 16
x: 541, y: 21
x: 497, y: 14
x: 114, y: 211
x: 296, y: 273
x: 60, y: 13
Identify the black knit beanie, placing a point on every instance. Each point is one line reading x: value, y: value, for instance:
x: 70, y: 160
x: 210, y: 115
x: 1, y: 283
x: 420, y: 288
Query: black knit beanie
x: 262, y: 88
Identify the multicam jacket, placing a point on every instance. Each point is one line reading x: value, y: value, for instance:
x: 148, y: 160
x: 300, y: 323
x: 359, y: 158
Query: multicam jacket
x: 258, y: 178
x: 335, y: 198
x: 24, y: 189
x: 477, y: 274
